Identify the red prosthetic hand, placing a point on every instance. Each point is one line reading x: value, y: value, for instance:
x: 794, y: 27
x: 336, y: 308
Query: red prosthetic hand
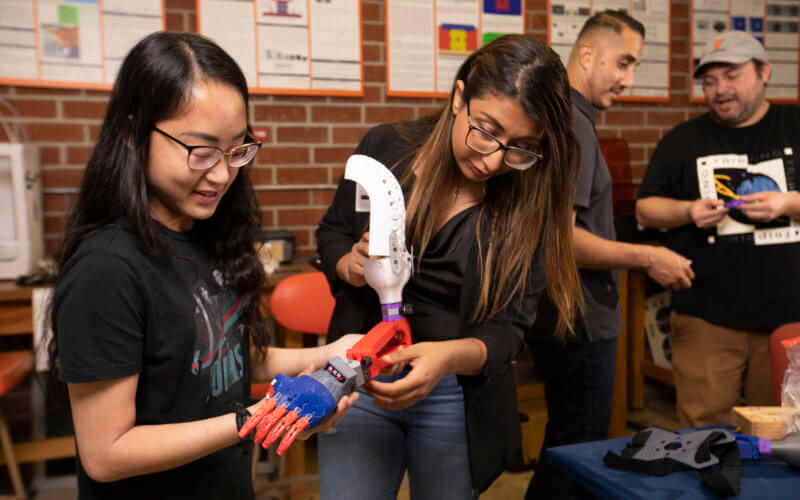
x: 383, y: 338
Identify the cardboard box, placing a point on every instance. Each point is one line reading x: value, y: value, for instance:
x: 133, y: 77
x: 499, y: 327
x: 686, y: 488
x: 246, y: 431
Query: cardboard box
x: 763, y: 421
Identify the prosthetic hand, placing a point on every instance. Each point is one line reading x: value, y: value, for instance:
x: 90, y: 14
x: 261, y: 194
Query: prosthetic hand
x: 306, y: 401
x: 297, y: 403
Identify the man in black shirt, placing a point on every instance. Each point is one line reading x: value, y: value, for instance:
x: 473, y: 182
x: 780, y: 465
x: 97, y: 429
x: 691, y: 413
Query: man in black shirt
x: 724, y: 184
x: 579, y: 375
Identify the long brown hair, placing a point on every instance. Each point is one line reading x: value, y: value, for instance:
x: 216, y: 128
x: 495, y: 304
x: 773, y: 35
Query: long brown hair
x: 521, y: 210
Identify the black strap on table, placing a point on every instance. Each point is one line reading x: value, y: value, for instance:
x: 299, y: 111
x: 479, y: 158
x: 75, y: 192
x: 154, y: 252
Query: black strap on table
x: 721, y: 484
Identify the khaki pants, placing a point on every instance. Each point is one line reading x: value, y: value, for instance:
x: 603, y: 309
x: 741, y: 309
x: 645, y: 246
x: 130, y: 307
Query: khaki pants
x: 714, y: 367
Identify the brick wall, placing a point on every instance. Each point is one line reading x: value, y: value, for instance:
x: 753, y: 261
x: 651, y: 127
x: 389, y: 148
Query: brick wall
x: 309, y: 138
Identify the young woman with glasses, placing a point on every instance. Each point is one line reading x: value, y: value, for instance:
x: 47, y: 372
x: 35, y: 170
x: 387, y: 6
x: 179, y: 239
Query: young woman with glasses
x: 158, y: 294
x: 488, y: 183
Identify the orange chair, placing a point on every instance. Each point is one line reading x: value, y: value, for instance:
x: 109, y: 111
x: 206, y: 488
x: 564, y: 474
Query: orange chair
x: 301, y: 304
x: 14, y: 366
x: 777, y: 355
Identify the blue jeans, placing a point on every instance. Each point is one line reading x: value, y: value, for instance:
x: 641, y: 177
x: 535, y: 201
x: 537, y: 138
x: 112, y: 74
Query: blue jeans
x: 372, y: 447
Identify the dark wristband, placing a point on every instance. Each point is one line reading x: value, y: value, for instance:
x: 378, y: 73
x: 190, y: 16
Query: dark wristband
x: 242, y: 414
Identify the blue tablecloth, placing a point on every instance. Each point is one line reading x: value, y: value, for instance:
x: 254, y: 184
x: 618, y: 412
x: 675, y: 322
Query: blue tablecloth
x: 761, y: 480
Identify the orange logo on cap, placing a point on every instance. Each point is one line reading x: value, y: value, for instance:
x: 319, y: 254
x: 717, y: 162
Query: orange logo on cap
x: 717, y: 43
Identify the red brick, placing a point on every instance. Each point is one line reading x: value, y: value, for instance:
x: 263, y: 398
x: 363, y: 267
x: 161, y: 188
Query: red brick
x: 98, y: 93
x: 374, y: 73
x: 46, y: 91
x: 623, y: 117
x: 38, y: 108
x: 3, y: 136
x: 94, y: 131
x: 348, y: 135
x: 427, y: 110
x: 191, y: 23
x: 371, y: 12
x: 539, y: 23
x: 261, y: 175
x: 680, y: 99
x: 322, y: 197
x: 52, y: 244
x: 180, y: 4
x: 373, y: 32
x: 637, y: 135
x: 305, y: 252
x: 58, y: 202
x: 424, y: 101
x: 302, y: 175
x: 679, y: 46
x: 55, y: 132
x: 176, y: 21
x: 300, y: 216
x: 384, y: 114
x: 607, y: 133
x: 282, y: 155
x: 49, y: 155
x: 54, y: 224
x: 372, y: 93
x: 669, y: 118
x: 680, y: 11
x: 84, y: 109
x: 61, y: 177
x: 537, y: 5
x: 270, y: 198
x: 302, y: 238
x: 636, y: 153
x: 542, y: 37
x: 78, y: 155
x: 268, y: 218
x: 303, y: 134
x: 337, y: 155
x: 637, y: 172
x: 299, y: 98
x: 5, y: 89
x: 679, y: 28
x: 372, y: 53
x: 679, y: 82
x: 337, y: 173
x: 272, y: 113
x: 337, y: 114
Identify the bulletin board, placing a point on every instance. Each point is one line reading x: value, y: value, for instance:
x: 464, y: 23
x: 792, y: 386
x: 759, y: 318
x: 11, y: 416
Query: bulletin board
x: 295, y: 47
x: 427, y: 40
x: 652, y: 77
x: 773, y: 22
x: 71, y: 43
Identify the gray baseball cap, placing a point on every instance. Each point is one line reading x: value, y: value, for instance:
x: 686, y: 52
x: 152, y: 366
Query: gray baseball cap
x: 730, y: 47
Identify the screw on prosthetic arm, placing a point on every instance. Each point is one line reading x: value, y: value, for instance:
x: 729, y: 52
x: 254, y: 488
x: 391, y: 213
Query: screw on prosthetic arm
x: 296, y: 404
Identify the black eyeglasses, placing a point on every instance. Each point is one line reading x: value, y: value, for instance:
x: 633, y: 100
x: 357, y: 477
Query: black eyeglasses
x: 481, y: 141
x: 205, y: 157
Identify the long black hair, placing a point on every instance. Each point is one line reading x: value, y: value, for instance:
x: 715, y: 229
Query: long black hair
x: 155, y: 83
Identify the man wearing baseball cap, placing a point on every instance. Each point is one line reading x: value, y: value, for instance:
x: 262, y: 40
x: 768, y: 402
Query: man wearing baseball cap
x: 724, y: 185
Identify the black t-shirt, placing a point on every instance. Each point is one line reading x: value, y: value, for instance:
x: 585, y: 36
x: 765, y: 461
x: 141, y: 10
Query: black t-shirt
x: 122, y: 312
x: 747, y: 275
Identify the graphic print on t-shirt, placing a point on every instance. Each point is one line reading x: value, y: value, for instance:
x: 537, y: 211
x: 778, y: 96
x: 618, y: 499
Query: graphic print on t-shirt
x: 218, y: 341
x: 728, y: 177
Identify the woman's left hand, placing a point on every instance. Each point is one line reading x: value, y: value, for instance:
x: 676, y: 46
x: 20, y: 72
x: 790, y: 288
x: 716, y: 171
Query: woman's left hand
x: 429, y: 362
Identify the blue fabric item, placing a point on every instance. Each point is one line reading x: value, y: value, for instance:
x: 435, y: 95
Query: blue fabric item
x: 306, y: 395
x: 748, y: 446
x: 761, y: 479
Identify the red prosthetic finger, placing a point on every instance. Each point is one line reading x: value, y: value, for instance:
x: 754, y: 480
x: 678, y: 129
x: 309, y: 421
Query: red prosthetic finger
x: 256, y: 417
x: 292, y: 433
x: 268, y: 422
x: 281, y: 426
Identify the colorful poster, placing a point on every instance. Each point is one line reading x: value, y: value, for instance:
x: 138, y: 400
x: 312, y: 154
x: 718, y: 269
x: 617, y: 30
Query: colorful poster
x: 428, y: 41
x: 71, y: 43
x: 290, y: 46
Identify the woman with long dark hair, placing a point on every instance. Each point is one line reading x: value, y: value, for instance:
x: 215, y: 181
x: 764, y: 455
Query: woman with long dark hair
x: 489, y: 183
x: 158, y: 291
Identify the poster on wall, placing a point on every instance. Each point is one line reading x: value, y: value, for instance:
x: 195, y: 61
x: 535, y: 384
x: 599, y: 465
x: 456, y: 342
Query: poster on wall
x: 426, y: 41
x: 773, y: 22
x: 71, y: 43
x: 303, y: 47
x: 651, y: 82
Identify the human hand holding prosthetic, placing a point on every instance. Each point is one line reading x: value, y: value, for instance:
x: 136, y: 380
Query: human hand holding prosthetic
x: 350, y: 267
x: 314, y: 400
